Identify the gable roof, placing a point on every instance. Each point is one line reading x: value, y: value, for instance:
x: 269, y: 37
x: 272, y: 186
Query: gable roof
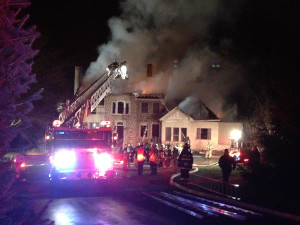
x: 196, y: 109
x: 176, y: 114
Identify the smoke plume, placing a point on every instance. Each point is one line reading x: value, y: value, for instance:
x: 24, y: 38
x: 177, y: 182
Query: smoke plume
x: 158, y: 32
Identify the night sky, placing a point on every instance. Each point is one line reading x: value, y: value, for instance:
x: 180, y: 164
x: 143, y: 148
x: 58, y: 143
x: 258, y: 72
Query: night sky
x: 77, y: 27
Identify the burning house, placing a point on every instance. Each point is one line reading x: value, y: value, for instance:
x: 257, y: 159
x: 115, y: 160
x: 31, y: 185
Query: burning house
x: 145, y: 118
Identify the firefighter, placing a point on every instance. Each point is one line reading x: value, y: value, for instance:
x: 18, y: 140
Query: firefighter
x: 185, y: 163
x: 175, y: 154
x: 162, y: 157
x: 227, y: 164
x: 126, y: 151
x: 140, y: 158
x: 168, y: 155
x: 209, y: 148
x: 133, y: 152
x: 147, y: 150
x: 153, y: 159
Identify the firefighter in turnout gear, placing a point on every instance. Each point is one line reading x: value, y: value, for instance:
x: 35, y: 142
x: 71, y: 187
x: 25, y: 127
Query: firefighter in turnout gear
x: 208, y: 150
x: 185, y: 163
x: 153, y: 159
x: 140, y: 158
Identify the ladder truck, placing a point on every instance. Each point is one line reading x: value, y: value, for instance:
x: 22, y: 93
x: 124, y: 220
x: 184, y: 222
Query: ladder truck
x: 76, y: 152
x: 75, y: 113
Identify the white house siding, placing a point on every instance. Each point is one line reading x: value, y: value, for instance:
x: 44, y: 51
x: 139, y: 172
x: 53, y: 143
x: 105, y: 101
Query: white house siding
x: 175, y: 118
x: 220, y: 131
x: 198, y: 144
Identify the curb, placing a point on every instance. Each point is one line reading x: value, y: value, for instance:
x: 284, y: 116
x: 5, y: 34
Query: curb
x: 234, y: 202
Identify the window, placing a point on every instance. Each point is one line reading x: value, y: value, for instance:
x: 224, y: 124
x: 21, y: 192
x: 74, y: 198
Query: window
x: 114, y: 108
x: 183, y: 134
x: 204, y: 133
x: 175, y: 134
x: 168, y: 134
x: 155, y: 107
x: 120, y: 107
x: 94, y: 111
x: 126, y: 108
x: 144, y: 107
x: 155, y: 130
x: 144, y: 130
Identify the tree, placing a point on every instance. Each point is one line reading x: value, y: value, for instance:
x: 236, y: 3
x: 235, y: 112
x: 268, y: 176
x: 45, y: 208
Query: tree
x: 16, y: 77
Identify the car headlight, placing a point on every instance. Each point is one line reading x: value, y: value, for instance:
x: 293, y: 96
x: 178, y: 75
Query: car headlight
x: 64, y: 159
x: 103, y: 161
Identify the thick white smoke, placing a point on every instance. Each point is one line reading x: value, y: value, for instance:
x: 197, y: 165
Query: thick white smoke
x: 159, y: 31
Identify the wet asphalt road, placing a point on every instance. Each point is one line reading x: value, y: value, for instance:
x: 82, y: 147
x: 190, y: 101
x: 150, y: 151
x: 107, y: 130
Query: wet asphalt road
x: 133, y: 200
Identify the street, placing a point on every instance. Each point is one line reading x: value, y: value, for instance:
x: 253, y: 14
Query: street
x: 133, y: 200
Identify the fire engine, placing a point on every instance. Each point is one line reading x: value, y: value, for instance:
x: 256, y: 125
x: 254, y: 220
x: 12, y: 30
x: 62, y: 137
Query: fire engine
x: 73, y: 152
x: 80, y: 153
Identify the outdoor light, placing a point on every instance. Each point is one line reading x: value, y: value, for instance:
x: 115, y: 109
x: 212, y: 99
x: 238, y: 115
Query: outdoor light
x: 235, y: 135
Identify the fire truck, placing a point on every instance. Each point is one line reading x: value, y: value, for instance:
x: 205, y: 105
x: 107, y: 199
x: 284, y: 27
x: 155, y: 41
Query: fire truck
x: 79, y: 153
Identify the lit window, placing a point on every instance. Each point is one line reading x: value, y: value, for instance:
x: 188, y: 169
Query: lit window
x: 144, y: 130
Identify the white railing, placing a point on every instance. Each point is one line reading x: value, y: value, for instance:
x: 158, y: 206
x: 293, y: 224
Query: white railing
x: 219, y: 187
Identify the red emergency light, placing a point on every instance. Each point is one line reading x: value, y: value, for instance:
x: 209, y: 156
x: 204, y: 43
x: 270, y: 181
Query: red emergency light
x: 23, y: 165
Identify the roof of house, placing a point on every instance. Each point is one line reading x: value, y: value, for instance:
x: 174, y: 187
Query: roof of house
x: 197, y: 111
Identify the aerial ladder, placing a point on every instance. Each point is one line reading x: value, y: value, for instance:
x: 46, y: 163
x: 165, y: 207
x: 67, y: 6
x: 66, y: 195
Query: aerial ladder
x: 74, y: 115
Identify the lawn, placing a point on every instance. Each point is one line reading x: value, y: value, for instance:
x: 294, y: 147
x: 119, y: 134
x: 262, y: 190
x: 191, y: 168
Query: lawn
x: 251, y: 193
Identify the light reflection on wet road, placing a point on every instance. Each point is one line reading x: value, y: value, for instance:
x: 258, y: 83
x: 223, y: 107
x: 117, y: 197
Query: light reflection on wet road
x: 133, y: 200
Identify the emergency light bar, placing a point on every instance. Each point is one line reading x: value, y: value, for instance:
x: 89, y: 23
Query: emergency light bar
x: 105, y: 123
